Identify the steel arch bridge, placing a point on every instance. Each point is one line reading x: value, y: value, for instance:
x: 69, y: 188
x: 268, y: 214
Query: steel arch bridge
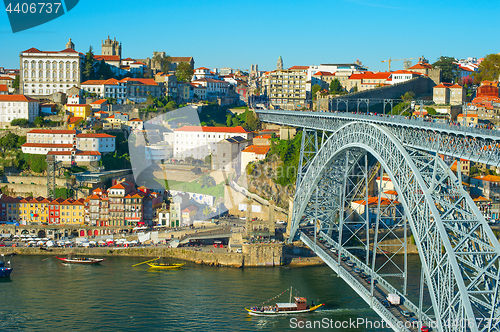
x: 459, y: 253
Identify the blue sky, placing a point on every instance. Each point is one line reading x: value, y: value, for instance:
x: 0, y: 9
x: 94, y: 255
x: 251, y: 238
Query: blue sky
x: 238, y: 33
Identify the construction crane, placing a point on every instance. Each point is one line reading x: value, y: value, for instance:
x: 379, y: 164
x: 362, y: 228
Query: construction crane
x: 390, y: 60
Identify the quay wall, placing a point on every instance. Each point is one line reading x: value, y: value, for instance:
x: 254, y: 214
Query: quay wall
x: 259, y: 255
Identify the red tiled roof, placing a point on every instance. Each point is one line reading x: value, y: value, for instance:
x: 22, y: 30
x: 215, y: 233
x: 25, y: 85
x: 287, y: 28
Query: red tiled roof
x: 374, y: 201
x: 135, y: 119
x: 145, y: 81
x: 324, y: 73
x: 265, y: 136
x: 74, y: 119
x: 87, y: 153
x: 16, y: 98
x: 45, y: 145
x: 94, y: 136
x: 421, y: 66
x: 48, y: 131
x: 4, y: 88
x: 488, y: 178
x: 405, y: 72
x: 122, y: 185
x: 442, y: 85
x: 107, y: 57
x: 238, y: 129
x: 181, y: 58
x: 99, y: 102
x: 257, y: 149
x: 202, y: 68
x: 370, y: 76
x: 3, y: 78
x: 456, y: 86
x: 298, y: 67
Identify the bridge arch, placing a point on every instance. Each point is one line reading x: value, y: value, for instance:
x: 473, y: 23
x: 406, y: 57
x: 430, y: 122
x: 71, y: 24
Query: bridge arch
x: 456, y: 246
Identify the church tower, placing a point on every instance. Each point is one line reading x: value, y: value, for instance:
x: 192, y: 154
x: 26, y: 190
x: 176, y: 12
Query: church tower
x: 111, y: 47
x: 70, y: 45
x: 279, y: 66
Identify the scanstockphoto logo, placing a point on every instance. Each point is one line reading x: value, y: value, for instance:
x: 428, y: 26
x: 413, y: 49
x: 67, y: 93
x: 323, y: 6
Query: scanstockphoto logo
x: 25, y: 15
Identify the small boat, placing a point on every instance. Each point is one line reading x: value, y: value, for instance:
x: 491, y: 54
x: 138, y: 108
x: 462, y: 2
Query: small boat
x: 297, y: 307
x: 165, y: 265
x: 77, y: 260
x: 5, y: 271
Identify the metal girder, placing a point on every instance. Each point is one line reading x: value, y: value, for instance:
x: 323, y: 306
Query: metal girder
x: 448, y: 228
x: 479, y: 145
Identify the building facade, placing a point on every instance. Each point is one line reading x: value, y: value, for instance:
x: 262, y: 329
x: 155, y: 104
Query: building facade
x: 44, y: 73
x: 17, y: 107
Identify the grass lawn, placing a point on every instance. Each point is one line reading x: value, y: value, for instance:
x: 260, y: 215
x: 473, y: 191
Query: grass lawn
x: 195, y: 187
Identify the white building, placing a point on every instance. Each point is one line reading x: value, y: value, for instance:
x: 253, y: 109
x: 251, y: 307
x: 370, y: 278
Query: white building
x: 69, y: 157
x: 44, y: 73
x: 202, y: 72
x: 111, y: 88
x: 198, y: 142
x: 157, y: 153
x: 17, y: 107
x: 253, y: 153
x: 400, y: 76
x: 214, y: 87
x: 102, y: 143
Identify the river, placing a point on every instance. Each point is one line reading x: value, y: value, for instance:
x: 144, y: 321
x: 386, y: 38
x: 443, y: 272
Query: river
x: 44, y: 294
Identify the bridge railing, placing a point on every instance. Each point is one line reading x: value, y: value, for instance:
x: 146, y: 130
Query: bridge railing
x: 360, y: 289
x: 395, y: 120
x: 391, y: 289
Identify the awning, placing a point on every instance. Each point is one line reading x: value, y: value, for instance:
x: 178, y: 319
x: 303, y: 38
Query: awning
x: 286, y: 305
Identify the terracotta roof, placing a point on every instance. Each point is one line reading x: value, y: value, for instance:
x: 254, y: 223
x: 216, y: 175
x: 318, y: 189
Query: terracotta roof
x: 16, y: 98
x: 181, y: 58
x: 94, y: 136
x: 4, y: 88
x: 74, y: 119
x: 456, y: 86
x: 145, y: 81
x: 87, y: 153
x: 59, y: 153
x: 48, y: 131
x: 257, y: 149
x: 488, y: 178
x: 391, y: 192
x: 45, y: 145
x: 324, y: 73
x: 238, y: 129
x: 443, y: 85
x: 123, y: 185
x: 99, y: 102
x: 135, y: 119
x: 107, y: 57
x: 298, y: 67
x: 3, y: 78
x: 385, y: 178
x: 35, y: 50
x: 374, y: 201
x: 468, y: 116
x: 265, y: 136
x: 370, y: 76
x: 405, y: 72
x: 190, y: 208
x: 421, y: 66
x: 202, y: 68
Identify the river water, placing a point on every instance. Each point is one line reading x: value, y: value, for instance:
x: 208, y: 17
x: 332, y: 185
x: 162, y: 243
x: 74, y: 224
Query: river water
x: 44, y: 294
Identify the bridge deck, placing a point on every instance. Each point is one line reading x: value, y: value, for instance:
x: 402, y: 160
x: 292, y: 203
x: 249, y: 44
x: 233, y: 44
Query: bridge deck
x: 363, y: 288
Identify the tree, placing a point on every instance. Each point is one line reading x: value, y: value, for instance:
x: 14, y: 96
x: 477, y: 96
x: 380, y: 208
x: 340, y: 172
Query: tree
x: 15, y: 84
x: 409, y: 95
x: 208, y: 160
x: 171, y: 105
x: 19, y: 122
x: 88, y: 66
x: 431, y: 111
x: 335, y: 87
x: 111, y: 100
x: 252, y: 122
x: 184, y: 72
x: 489, y: 69
x: 449, y: 69
x: 38, y: 121
x: 229, y: 120
x: 235, y: 122
x: 315, y: 88
x: 38, y: 163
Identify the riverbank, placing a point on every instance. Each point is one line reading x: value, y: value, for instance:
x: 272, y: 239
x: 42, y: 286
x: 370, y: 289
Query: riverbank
x: 257, y: 255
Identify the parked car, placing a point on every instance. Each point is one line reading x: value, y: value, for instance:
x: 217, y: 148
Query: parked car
x: 386, y: 303
x: 357, y: 270
x: 349, y: 263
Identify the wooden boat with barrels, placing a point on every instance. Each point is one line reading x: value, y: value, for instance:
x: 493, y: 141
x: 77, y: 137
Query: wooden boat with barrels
x: 83, y: 260
x: 165, y: 266
x: 297, y: 307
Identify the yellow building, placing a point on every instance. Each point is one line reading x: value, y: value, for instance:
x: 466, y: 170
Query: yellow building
x: 79, y: 110
x: 33, y: 210
x: 73, y: 122
x: 67, y: 211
